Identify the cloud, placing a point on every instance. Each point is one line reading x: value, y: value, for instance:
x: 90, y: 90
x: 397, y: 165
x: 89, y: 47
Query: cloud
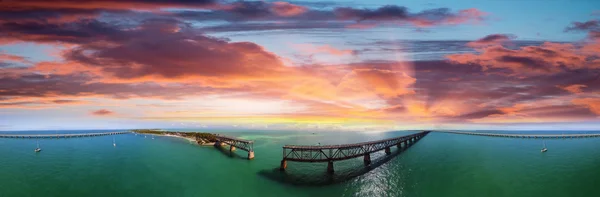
x: 9, y: 60
x: 480, y: 114
x: 264, y: 16
x: 591, y: 103
x: 591, y: 26
x: 107, y: 4
x: 575, y: 88
x: 492, y: 39
x: 287, y: 9
x: 180, y: 53
x: 82, y: 31
x: 531, y: 60
x: 584, y: 26
x: 102, y: 112
x: 327, y: 49
x: 393, y: 13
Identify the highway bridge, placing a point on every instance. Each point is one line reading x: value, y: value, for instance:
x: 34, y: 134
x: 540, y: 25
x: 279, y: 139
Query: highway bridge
x: 61, y: 135
x: 573, y: 135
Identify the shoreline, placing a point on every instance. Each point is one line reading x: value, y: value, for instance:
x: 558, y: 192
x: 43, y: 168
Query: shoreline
x: 182, y: 137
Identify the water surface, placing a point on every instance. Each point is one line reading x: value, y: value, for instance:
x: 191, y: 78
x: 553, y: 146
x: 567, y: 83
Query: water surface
x: 440, y: 164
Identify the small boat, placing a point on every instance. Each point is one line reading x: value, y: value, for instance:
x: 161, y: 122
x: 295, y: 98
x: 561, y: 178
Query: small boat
x: 38, y: 149
x: 544, y: 149
x: 114, y: 144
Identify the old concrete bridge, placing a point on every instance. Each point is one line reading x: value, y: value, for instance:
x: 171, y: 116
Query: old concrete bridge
x: 331, y: 153
x: 234, y: 143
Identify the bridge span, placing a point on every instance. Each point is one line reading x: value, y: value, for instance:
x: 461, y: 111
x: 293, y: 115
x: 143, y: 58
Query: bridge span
x: 234, y: 143
x: 526, y: 135
x: 61, y: 135
x: 331, y: 153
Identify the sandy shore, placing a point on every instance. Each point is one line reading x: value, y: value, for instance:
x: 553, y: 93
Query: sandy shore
x: 187, y: 138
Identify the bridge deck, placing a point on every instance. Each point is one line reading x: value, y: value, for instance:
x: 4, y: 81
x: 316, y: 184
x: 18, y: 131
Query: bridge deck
x: 246, y: 145
x: 61, y: 135
x: 583, y: 135
x: 330, y: 153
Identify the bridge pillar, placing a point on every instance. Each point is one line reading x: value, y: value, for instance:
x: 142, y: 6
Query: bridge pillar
x: 330, y: 167
x: 250, y: 155
x: 399, y: 145
x: 218, y: 143
x: 367, y: 159
x: 388, y: 151
x: 231, y: 148
x: 283, y: 165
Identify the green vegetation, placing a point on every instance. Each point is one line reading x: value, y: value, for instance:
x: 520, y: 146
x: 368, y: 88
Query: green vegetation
x: 201, y: 138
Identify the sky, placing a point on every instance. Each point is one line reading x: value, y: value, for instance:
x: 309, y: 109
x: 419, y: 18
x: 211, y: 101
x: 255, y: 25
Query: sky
x: 345, y: 65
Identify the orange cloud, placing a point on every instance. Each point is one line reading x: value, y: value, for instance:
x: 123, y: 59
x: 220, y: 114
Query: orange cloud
x: 529, y: 60
x: 591, y: 103
x: 9, y: 57
x: 287, y: 9
x: 383, y: 82
x: 575, y: 88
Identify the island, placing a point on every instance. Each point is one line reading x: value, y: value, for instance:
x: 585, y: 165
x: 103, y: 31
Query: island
x: 198, y: 137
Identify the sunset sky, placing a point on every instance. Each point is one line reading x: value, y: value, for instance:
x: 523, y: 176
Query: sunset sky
x: 301, y: 65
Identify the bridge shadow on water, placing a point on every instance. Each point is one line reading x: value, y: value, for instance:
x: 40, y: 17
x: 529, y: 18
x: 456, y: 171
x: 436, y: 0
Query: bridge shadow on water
x: 225, y: 150
x: 314, y: 174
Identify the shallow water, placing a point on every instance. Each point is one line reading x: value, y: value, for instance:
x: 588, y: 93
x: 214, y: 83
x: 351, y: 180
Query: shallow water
x: 440, y: 164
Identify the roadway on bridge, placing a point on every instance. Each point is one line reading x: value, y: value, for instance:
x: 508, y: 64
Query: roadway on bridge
x: 61, y: 135
x: 578, y: 135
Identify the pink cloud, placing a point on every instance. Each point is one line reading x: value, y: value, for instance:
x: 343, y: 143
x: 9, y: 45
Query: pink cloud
x: 287, y: 9
x: 102, y: 112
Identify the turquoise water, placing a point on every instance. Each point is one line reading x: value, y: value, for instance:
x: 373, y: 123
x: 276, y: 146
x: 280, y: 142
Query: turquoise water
x: 440, y: 164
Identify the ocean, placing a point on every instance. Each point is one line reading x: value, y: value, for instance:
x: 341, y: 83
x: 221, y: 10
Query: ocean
x: 440, y: 164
